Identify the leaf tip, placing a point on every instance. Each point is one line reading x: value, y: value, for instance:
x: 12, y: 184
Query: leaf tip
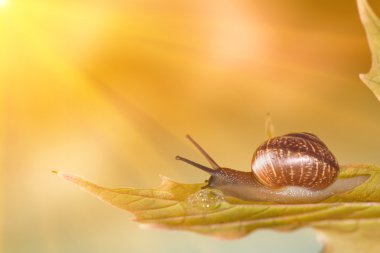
x: 67, y: 176
x: 59, y: 173
x: 165, y: 180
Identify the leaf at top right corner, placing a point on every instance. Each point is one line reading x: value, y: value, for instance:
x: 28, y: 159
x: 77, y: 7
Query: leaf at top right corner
x: 371, y: 25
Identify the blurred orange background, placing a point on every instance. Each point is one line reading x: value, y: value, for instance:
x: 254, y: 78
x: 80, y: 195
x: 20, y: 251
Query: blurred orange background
x: 108, y: 89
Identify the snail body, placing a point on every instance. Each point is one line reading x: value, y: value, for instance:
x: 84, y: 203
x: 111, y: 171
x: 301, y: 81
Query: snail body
x: 292, y: 168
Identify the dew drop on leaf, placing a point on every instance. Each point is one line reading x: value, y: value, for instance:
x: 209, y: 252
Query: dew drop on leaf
x: 205, y: 200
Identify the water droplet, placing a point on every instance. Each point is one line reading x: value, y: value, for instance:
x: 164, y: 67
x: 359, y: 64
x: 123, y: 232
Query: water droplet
x: 205, y: 199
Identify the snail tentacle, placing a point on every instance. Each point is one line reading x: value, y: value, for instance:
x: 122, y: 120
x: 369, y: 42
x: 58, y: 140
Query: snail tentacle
x: 213, y: 164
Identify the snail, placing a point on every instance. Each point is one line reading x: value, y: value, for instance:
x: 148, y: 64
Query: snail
x: 293, y: 168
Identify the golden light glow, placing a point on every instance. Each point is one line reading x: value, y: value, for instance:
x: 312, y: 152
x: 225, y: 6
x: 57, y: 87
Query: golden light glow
x: 108, y: 89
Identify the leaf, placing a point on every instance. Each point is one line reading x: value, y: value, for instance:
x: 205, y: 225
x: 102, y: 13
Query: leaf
x: 371, y: 25
x: 168, y: 206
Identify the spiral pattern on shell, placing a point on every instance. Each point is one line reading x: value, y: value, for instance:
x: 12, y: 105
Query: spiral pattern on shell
x: 296, y: 159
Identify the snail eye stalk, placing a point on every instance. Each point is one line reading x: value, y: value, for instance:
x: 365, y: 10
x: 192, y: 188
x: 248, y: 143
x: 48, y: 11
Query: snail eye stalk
x: 197, y: 165
x: 211, y: 161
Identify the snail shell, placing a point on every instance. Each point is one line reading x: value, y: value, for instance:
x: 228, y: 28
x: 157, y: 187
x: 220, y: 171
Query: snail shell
x: 296, y: 159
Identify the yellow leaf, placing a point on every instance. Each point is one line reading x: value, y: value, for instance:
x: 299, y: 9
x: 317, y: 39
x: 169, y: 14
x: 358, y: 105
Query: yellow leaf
x: 189, y: 207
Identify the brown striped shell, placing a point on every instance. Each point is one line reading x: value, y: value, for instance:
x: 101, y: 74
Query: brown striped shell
x: 296, y: 159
